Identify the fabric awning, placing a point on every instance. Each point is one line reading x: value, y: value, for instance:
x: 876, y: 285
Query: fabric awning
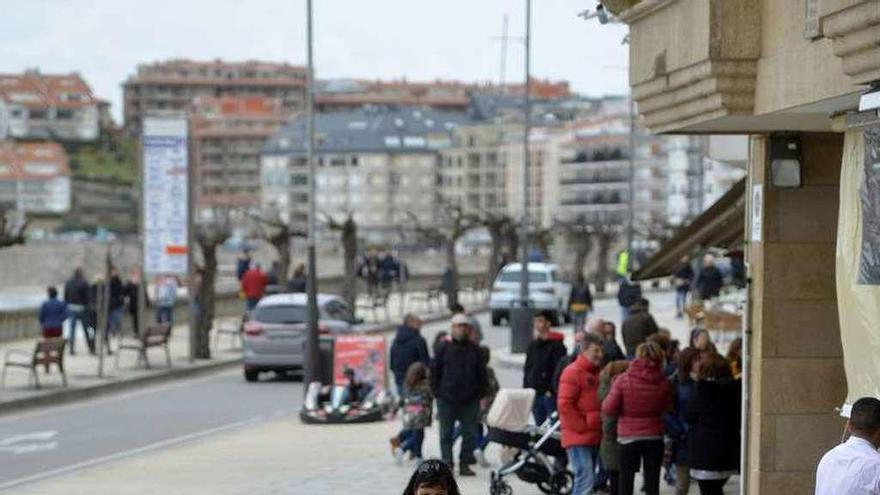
x: 722, y: 225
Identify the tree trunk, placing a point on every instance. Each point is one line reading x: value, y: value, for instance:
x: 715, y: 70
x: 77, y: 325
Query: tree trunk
x: 496, y: 235
x: 349, y: 250
x: 602, y: 264
x: 582, y: 249
x: 451, y: 262
x: 511, y: 238
x: 206, y: 298
x: 282, y: 245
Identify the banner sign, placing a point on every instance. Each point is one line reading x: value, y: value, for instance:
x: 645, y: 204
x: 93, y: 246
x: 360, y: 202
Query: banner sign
x: 365, y: 355
x: 858, y: 266
x: 166, y: 193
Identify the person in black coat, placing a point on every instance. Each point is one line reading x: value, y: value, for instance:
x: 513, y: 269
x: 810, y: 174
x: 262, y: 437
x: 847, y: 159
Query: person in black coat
x: 407, y: 348
x: 459, y: 379
x: 710, y: 280
x: 682, y: 279
x: 713, y: 414
x: 298, y: 282
x: 542, y: 356
x: 76, y: 295
x: 134, y: 289
x: 628, y: 293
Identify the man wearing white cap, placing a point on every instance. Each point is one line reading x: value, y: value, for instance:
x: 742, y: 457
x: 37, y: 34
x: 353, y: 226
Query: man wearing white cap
x: 459, y: 379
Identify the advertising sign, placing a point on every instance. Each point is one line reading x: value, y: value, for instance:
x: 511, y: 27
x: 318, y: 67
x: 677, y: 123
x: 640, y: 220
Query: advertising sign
x: 165, y: 199
x: 363, y: 354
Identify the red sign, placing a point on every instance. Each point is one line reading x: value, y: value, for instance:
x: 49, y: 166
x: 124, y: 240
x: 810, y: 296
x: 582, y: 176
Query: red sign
x: 365, y: 355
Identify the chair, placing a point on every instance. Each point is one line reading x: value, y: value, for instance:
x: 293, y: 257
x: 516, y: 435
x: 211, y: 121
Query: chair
x: 232, y: 329
x: 153, y: 336
x: 46, y: 352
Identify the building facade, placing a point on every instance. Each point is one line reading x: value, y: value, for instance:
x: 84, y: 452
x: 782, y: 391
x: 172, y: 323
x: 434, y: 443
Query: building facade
x: 40, y: 106
x: 228, y: 134
x: 34, y: 177
x: 173, y: 85
x: 473, y: 170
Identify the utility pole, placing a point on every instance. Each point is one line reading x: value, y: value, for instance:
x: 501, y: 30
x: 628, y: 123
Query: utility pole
x: 313, y: 357
x: 630, y: 229
x: 504, y: 39
x: 521, y: 316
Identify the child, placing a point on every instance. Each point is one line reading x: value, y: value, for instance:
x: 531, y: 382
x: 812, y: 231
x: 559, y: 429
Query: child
x: 417, y: 411
x: 432, y: 477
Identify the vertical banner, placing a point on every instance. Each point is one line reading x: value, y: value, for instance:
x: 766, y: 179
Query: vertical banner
x: 165, y: 195
x: 363, y: 354
x: 858, y: 273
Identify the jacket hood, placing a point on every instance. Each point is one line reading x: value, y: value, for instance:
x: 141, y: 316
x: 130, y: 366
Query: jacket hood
x: 551, y: 336
x: 646, y: 370
x: 405, y: 334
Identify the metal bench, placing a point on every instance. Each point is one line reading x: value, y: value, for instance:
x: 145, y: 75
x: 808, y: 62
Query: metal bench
x: 46, y: 352
x: 153, y: 336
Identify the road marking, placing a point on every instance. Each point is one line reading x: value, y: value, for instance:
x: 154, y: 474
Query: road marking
x: 127, y: 453
x: 27, y: 443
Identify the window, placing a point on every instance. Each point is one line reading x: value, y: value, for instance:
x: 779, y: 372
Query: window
x: 516, y: 276
x: 281, y: 314
x: 338, y: 310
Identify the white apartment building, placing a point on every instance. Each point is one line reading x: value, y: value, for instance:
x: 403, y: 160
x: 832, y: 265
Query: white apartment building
x: 35, y: 177
x: 48, y: 106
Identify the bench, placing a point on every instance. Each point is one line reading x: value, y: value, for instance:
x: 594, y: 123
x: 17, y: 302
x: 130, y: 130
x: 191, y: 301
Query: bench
x: 153, y: 336
x: 374, y: 302
x: 46, y: 352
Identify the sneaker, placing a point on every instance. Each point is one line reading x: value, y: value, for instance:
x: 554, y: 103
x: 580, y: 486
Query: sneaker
x: 480, y: 456
x: 395, y: 444
x: 465, y: 470
x: 398, y: 456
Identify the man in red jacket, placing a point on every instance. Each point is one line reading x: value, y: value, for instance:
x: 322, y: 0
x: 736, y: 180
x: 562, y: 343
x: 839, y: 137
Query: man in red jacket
x: 580, y: 412
x: 253, y: 284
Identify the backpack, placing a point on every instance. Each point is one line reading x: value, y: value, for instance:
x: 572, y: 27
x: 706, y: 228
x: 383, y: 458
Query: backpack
x: 166, y: 294
x: 417, y: 405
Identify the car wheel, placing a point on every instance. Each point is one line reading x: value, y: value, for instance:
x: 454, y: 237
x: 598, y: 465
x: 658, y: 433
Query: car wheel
x: 496, y: 318
x: 251, y: 375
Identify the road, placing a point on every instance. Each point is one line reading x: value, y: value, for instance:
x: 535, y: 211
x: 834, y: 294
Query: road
x: 39, y: 445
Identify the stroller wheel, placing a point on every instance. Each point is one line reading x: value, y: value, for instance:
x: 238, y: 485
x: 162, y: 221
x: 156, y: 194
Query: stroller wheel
x: 499, y: 486
x: 562, y: 482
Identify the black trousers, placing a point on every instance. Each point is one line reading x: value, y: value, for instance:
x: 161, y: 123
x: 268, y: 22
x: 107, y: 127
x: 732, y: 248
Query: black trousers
x: 712, y: 487
x: 650, y: 453
x: 468, y: 416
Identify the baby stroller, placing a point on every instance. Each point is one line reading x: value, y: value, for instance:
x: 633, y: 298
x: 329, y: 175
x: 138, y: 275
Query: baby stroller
x: 535, y: 454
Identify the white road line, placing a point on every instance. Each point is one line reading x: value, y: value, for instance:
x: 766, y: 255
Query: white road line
x: 126, y: 453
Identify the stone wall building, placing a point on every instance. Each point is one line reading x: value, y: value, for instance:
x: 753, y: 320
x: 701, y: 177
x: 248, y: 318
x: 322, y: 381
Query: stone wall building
x: 789, y: 74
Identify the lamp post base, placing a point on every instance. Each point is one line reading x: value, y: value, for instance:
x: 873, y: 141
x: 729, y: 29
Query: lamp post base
x: 521, y: 327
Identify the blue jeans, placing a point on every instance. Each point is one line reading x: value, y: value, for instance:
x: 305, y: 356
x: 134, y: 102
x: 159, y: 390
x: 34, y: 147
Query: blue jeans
x: 250, y: 304
x: 543, y: 407
x: 165, y: 314
x: 680, y: 300
x: 578, y: 319
x: 80, y: 316
x: 412, y: 441
x: 114, y: 321
x: 624, y: 314
x: 583, y: 461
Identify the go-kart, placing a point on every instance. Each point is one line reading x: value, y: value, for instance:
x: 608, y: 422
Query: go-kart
x: 333, y: 404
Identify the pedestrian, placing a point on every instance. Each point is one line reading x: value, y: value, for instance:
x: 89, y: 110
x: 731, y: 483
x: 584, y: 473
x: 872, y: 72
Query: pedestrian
x: 369, y: 270
x: 542, y: 355
x: 297, y: 283
x: 52, y: 315
x: 714, y: 418
x: 243, y: 264
x: 115, y: 308
x: 700, y: 339
x: 628, y: 293
x: 459, y: 380
x: 677, y: 428
x: 441, y: 338
x: 432, y: 477
x: 274, y: 277
x: 580, y: 413
x: 612, y: 350
x: 458, y: 309
x: 638, y: 326
x: 166, y: 298
x: 449, y: 287
x: 662, y: 339
x: 580, y: 301
x: 253, y: 284
x: 567, y: 359
x: 418, y: 407
x: 388, y: 268
x: 134, y: 289
x: 734, y: 357
x: 492, y: 388
x: 609, y: 451
x: 682, y: 279
x: 76, y: 295
x: 853, y: 467
x: 408, y: 347
x: 710, y: 280
x: 639, y: 398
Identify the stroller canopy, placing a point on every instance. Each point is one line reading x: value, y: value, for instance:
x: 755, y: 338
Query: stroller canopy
x: 511, y: 409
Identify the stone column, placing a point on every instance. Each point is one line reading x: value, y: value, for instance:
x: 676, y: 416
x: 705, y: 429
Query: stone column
x: 797, y: 375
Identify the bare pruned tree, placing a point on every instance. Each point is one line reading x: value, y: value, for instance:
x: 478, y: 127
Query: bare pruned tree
x: 279, y: 234
x: 450, y: 225
x: 579, y: 237
x: 348, y: 232
x: 498, y: 226
x: 10, y: 233
x: 209, y: 236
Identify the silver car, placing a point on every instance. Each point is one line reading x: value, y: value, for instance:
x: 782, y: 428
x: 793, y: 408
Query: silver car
x: 275, y: 331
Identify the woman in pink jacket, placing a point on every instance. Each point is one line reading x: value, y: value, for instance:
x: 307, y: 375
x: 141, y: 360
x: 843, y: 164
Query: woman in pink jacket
x: 638, y: 399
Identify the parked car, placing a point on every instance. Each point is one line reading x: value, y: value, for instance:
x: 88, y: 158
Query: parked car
x: 274, y: 333
x: 546, y: 291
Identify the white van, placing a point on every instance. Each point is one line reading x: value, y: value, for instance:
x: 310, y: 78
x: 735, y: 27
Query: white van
x: 546, y: 291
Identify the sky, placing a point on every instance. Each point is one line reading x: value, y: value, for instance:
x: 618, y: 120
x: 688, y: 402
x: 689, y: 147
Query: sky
x: 104, y: 40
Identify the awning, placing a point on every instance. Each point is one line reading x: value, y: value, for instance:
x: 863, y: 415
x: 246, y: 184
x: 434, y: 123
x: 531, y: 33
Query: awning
x: 722, y: 225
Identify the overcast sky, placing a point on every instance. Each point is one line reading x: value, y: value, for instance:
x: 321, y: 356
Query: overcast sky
x: 418, y: 39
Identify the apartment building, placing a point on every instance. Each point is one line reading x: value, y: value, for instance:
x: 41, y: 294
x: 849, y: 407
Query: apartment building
x: 173, y: 85
x: 35, y: 177
x: 48, y: 106
x: 377, y: 163
x: 228, y: 134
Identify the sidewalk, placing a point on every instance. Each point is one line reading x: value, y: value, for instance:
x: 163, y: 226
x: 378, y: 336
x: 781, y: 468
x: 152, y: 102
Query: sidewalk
x: 82, y: 368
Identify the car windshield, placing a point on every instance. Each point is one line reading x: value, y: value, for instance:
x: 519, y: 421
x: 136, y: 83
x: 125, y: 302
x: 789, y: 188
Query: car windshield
x: 517, y: 277
x: 281, y: 314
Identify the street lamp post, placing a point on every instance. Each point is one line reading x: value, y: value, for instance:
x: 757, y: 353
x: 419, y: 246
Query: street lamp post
x: 630, y: 230
x: 313, y: 358
x: 521, y: 316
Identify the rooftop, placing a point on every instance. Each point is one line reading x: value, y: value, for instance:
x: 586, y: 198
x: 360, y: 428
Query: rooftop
x: 35, y: 90
x: 32, y: 160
